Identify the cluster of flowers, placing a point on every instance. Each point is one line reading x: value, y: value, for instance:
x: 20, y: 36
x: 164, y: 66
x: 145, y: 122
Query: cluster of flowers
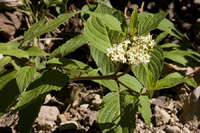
x: 133, y: 51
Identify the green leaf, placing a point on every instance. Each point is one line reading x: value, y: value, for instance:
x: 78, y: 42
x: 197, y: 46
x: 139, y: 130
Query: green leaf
x: 169, y: 81
x: 170, y: 45
x: 49, y: 81
x: 118, y: 113
x: 191, y: 82
x: 133, y: 22
x: 5, y: 60
x: 55, y: 61
x: 96, y: 33
x: 6, y: 49
x: 145, y: 109
x: 105, y: 2
x: 109, y: 20
x: 35, y: 51
x: 102, y: 61
x: 28, y: 115
x: 8, y: 91
x: 185, y: 57
x: 24, y: 77
x: 41, y: 27
x: 127, y: 79
x: 155, y: 66
x: 168, y: 26
x: 75, y: 68
x: 103, y: 9
x: 149, y: 22
x: 5, y: 78
x: 161, y: 36
x: 70, y: 46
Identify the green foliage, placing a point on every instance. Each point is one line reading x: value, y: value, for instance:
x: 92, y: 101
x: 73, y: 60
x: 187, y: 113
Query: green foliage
x: 8, y: 91
x: 41, y: 27
x: 6, y: 49
x: 174, y: 79
x: 168, y: 26
x: 145, y: 109
x: 102, y: 61
x: 69, y: 46
x: 35, y: 51
x: 49, y: 81
x: 133, y: 22
x: 149, y: 22
x: 101, y: 26
x: 155, y: 67
x: 5, y: 60
x: 96, y: 33
x: 180, y: 55
x: 127, y: 79
x: 24, y: 77
x: 28, y: 114
x: 117, y: 113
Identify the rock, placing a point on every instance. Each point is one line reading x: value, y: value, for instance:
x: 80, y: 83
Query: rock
x: 97, y: 100
x: 47, y: 99
x: 173, y: 118
x: 186, y: 130
x: 160, y: 131
x: 47, y: 117
x: 92, y: 117
x: 172, y: 129
x: 162, y: 117
x: 84, y: 107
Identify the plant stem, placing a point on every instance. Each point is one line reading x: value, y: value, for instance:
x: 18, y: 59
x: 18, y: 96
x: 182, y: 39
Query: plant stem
x: 131, y: 90
x: 113, y: 76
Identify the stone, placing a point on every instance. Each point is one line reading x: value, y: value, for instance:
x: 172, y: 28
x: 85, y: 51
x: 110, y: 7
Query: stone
x: 97, y: 99
x: 161, y: 115
x: 186, y: 130
x: 172, y: 129
x: 47, y: 117
x: 84, y: 106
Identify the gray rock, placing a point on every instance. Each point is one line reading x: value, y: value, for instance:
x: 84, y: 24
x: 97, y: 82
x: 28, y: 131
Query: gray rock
x: 186, y: 130
x: 47, y: 117
x: 161, y: 115
x: 172, y: 129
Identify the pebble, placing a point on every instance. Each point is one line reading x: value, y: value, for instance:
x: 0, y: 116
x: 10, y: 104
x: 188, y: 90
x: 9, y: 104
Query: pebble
x: 162, y: 117
x: 186, y: 130
x: 172, y: 129
x: 47, y: 117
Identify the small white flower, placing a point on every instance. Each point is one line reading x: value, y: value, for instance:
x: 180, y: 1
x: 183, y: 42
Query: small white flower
x: 132, y: 52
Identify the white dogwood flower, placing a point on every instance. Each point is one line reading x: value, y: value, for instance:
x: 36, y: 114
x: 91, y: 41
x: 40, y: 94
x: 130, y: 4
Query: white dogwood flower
x: 133, y: 51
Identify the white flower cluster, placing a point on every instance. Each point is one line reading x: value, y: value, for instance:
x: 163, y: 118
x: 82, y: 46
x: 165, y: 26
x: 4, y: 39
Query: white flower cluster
x: 133, y: 51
